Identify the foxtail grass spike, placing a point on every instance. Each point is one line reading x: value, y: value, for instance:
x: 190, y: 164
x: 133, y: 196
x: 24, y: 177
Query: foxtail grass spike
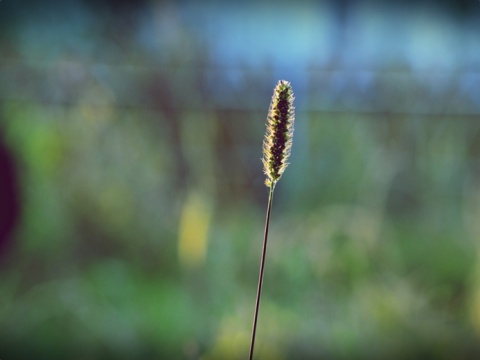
x: 276, y: 150
x: 278, y: 139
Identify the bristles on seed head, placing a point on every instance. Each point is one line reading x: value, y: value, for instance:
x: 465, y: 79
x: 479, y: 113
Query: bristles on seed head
x: 278, y: 138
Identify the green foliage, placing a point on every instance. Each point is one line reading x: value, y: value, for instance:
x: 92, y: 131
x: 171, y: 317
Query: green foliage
x: 355, y: 269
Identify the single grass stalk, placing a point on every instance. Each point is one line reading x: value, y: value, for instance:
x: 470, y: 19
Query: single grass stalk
x: 276, y: 151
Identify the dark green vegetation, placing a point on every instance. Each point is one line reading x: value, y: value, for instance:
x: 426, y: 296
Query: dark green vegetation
x: 373, y: 251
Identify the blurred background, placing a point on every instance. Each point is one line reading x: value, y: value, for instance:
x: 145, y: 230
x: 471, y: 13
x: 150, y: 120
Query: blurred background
x: 132, y: 201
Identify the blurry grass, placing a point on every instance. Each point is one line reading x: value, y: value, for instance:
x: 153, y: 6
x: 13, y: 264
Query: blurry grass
x: 375, y: 256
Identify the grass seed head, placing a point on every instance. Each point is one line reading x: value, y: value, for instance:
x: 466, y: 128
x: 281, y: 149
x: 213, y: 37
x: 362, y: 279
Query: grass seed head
x: 278, y: 138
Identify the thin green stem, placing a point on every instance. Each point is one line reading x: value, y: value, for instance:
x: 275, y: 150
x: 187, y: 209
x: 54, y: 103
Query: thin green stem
x: 262, y: 266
